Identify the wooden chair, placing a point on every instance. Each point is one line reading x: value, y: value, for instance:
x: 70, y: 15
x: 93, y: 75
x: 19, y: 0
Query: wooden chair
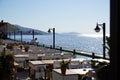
x: 74, y: 64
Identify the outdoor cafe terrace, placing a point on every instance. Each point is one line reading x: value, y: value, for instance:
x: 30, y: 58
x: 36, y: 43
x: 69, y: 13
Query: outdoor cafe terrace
x: 41, y: 63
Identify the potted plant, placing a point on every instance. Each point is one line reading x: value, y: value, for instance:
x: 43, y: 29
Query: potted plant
x: 103, y: 68
x: 103, y: 71
x: 94, y: 64
x: 10, y: 46
x: 7, y: 66
x: 21, y: 47
x: 64, y: 66
x: 26, y: 48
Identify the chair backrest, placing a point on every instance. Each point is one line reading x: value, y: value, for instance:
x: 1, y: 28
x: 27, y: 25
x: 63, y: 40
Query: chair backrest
x: 67, y: 55
x: 33, y: 56
x: 35, y: 49
x: 44, y: 73
x: 57, y: 56
x: 39, y: 71
x: 74, y: 64
x: 47, y: 57
x: 86, y: 64
x: 17, y: 50
x: 56, y: 64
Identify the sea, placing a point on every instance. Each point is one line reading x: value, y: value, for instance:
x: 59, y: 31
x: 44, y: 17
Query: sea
x: 82, y: 42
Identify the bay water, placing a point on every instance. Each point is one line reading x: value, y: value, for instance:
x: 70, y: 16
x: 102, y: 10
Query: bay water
x: 82, y: 42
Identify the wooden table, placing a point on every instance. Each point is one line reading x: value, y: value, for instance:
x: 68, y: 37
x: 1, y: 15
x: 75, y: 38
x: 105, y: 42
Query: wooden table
x: 41, y: 55
x: 79, y: 59
x: 101, y: 60
x: 48, y: 61
x: 21, y: 56
x: 34, y: 68
x: 35, y: 64
x: 71, y: 74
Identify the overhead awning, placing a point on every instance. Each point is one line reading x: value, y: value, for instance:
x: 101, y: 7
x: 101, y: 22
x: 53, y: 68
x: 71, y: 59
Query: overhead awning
x: 7, y: 27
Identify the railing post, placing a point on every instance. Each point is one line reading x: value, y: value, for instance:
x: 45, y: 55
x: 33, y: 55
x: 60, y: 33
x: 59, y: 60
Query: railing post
x: 50, y: 46
x: 74, y: 52
x: 53, y: 37
x: 43, y: 45
x: 93, y: 55
x: 61, y: 49
x: 21, y: 35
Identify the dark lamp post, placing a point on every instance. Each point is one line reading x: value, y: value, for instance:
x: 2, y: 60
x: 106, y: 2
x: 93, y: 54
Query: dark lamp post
x: 21, y: 35
x: 33, y: 33
x: 49, y: 31
x: 97, y: 29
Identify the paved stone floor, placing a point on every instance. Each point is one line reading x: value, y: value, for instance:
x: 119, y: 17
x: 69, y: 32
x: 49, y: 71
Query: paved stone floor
x: 22, y: 75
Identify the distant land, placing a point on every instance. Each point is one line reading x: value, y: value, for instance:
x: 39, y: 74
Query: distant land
x: 74, y: 33
x: 28, y: 31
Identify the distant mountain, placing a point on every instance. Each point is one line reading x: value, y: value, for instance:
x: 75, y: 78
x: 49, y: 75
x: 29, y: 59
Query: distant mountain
x: 28, y: 31
x: 71, y: 33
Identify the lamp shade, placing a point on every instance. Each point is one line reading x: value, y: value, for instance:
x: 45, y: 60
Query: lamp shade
x: 49, y: 31
x: 97, y: 29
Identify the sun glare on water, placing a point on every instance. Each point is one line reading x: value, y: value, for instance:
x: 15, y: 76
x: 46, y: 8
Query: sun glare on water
x: 93, y: 35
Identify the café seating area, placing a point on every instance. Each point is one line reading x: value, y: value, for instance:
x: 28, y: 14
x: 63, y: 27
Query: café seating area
x: 45, y: 64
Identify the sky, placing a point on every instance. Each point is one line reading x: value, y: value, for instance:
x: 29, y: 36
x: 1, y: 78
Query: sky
x: 65, y: 16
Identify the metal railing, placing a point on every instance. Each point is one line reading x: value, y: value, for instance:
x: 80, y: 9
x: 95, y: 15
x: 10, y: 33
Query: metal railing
x: 74, y: 51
